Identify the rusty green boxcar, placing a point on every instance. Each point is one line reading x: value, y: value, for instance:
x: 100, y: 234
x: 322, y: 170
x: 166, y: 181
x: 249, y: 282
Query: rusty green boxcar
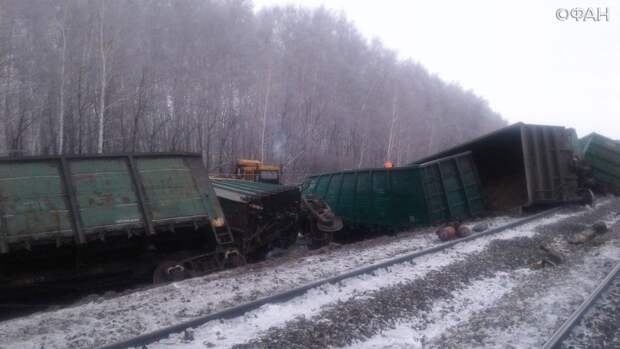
x: 382, y: 199
x: 69, y: 220
x: 603, y: 156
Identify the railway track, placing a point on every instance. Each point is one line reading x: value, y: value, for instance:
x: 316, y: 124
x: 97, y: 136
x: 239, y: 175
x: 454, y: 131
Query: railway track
x: 563, y: 332
x: 241, y: 309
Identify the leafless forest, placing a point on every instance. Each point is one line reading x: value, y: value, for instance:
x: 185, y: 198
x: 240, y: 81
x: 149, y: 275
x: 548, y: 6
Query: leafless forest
x: 298, y: 87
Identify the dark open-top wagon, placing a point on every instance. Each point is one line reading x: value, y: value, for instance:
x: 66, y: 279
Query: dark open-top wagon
x: 80, y: 222
x: 391, y: 199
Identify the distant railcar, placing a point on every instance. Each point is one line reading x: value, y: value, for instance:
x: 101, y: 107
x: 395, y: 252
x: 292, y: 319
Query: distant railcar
x: 78, y: 222
x: 603, y: 156
x: 395, y: 198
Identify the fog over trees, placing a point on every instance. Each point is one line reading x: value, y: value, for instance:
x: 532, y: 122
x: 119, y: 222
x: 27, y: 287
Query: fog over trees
x: 299, y: 87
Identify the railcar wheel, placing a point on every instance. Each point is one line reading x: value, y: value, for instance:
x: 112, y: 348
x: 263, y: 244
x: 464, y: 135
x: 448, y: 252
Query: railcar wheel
x: 234, y: 260
x: 588, y: 197
x: 168, y: 271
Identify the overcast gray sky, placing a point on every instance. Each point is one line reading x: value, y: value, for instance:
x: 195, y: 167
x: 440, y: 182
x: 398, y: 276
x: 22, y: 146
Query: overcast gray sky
x: 529, y: 65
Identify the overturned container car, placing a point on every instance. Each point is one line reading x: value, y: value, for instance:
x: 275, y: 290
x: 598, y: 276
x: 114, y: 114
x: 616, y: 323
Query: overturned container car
x: 522, y: 165
x: 391, y: 199
x: 261, y: 215
x: 266, y: 215
x: 602, y: 154
x: 80, y: 222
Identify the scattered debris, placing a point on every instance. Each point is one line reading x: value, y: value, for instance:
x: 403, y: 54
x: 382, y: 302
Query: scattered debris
x: 446, y: 233
x: 550, y: 258
x: 588, y: 234
x: 188, y: 335
x: 463, y: 231
x: 600, y: 228
x: 480, y: 227
x: 581, y: 237
x: 451, y: 230
x: 535, y: 264
x: 551, y: 255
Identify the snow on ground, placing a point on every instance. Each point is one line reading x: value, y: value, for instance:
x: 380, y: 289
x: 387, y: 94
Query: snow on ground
x: 445, y: 313
x: 517, y: 310
x: 598, y: 328
x: 106, y: 321
x: 547, y: 310
x: 611, y: 220
x: 550, y: 309
x: 225, y: 333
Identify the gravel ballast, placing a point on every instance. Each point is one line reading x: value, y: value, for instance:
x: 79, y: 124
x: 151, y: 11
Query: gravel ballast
x: 527, y: 315
x: 414, y: 303
x: 600, y: 325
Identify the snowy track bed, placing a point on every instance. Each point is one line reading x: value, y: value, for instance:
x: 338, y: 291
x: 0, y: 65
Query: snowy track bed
x: 517, y: 309
x: 477, y: 294
x: 599, y: 326
x: 103, y: 321
x: 456, y: 283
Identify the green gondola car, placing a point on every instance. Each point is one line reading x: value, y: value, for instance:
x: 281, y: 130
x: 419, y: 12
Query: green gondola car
x: 603, y: 156
x: 395, y: 198
x: 73, y: 223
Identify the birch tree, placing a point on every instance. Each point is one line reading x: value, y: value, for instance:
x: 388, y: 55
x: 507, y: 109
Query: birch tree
x: 61, y: 90
x: 290, y: 85
x: 104, y: 76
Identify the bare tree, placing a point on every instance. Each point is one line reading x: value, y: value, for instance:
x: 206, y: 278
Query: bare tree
x: 388, y: 156
x: 61, y: 90
x: 288, y: 85
x: 265, y: 110
x: 103, y: 78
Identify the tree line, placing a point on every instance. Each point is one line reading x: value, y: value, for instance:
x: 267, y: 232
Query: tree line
x: 287, y: 85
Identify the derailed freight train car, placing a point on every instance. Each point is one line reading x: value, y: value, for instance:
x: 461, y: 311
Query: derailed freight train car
x: 266, y: 215
x: 391, y: 199
x: 603, y: 156
x: 79, y: 222
x: 522, y: 165
x: 261, y: 215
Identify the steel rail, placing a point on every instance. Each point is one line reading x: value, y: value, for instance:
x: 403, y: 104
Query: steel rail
x: 563, y: 331
x: 240, y: 309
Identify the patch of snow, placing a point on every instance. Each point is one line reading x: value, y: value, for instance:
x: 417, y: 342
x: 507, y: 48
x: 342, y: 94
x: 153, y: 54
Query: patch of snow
x: 544, y: 312
x: 550, y: 310
x: 444, y: 314
x: 603, y: 201
x: 612, y: 219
